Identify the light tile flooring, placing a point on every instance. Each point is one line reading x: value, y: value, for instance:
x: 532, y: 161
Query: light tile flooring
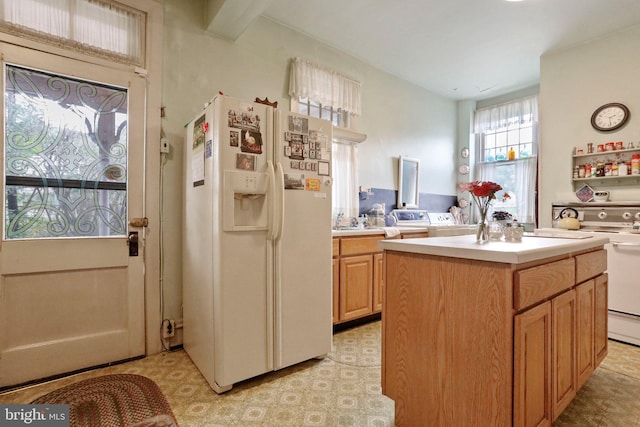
x: 343, y: 389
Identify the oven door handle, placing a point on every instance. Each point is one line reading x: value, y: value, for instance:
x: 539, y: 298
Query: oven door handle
x: 616, y: 244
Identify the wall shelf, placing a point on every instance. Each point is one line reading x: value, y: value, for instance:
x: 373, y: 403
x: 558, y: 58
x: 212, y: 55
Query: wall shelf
x: 603, y: 156
x: 608, y: 180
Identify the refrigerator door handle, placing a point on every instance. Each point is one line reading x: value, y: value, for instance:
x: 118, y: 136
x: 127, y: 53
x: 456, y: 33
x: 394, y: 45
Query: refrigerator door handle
x: 271, y: 234
x: 280, y: 186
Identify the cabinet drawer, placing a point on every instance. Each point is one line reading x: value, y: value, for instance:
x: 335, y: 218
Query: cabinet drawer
x: 590, y: 265
x: 359, y: 245
x: 537, y: 283
x: 335, y: 251
x: 415, y: 235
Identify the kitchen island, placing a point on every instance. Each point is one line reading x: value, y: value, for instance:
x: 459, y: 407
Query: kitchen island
x: 499, y: 334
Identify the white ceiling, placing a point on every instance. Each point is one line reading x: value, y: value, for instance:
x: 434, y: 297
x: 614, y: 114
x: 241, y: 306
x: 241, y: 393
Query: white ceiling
x: 460, y: 49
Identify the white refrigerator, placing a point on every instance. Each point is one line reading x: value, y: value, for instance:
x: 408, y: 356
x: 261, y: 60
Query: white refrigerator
x: 257, y: 266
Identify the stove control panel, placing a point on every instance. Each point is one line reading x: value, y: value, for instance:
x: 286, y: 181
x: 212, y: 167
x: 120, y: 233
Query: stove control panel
x: 596, y: 216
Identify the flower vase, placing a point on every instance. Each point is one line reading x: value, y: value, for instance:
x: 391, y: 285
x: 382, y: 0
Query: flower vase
x: 482, y: 235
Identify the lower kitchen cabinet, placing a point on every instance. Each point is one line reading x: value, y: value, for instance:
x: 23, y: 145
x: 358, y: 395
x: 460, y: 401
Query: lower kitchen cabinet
x: 336, y: 290
x: 532, y: 367
x: 377, y: 282
x: 559, y: 342
x: 563, y: 351
x: 356, y: 290
x: 358, y: 276
x: 585, y: 331
x: 601, y: 320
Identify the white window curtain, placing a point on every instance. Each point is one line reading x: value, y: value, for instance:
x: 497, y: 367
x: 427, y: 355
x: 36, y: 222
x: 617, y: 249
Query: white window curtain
x: 345, y: 179
x: 311, y: 81
x: 524, y: 171
x: 500, y: 116
x: 97, y: 27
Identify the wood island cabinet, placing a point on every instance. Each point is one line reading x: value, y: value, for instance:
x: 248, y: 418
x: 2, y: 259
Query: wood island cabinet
x: 469, y: 342
x: 358, y: 275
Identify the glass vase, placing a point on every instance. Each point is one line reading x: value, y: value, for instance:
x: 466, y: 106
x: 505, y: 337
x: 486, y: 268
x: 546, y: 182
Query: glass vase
x: 482, y: 235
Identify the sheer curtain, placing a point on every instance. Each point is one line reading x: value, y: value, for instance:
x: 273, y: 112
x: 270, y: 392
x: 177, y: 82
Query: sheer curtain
x: 345, y: 179
x: 500, y: 116
x: 524, y: 173
x: 311, y: 81
x: 328, y: 87
x: 97, y: 27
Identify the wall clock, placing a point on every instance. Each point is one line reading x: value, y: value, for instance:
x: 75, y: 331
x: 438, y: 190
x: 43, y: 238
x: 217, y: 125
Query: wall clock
x: 610, y: 117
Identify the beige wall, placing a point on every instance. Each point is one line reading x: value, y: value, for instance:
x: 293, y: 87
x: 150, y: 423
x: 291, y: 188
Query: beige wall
x: 399, y: 118
x: 573, y: 83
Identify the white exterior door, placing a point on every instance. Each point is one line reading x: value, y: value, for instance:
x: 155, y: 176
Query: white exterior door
x: 71, y: 296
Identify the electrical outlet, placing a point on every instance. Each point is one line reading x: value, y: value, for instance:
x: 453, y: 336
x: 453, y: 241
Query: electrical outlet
x: 164, y: 145
x: 168, y: 328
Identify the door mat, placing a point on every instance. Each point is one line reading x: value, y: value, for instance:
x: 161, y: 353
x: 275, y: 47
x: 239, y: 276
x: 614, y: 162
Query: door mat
x: 113, y: 401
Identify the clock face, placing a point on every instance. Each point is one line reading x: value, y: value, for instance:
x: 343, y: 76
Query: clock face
x: 610, y: 117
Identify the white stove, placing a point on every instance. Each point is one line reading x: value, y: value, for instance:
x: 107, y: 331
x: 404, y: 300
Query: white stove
x: 437, y: 223
x: 620, y: 221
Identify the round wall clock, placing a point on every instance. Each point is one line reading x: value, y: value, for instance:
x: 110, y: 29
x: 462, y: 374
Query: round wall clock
x: 610, y: 117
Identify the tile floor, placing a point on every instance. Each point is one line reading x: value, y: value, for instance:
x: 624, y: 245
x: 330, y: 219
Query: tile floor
x: 343, y: 389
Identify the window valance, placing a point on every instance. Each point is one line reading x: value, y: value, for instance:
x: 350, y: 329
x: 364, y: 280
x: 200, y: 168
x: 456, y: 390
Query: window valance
x: 328, y: 87
x: 500, y: 116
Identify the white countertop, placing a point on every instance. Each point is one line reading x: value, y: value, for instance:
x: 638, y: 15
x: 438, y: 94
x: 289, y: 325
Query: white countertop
x: 531, y: 248
x: 376, y: 230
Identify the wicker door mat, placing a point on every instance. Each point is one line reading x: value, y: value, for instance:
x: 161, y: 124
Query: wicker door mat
x: 113, y: 401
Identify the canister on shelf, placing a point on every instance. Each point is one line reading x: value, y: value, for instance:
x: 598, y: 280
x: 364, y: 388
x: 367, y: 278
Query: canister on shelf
x: 576, y: 172
x: 619, y: 145
x: 610, y: 146
x: 614, y: 169
x: 600, y: 148
x: 581, y: 171
x: 635, y: 164
x: 590, y: 147
x: 622, y: 168
x: 587, y: 170
x: 607, y: 169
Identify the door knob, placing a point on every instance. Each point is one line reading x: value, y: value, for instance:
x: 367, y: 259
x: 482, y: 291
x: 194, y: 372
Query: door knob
x: 132, y: 241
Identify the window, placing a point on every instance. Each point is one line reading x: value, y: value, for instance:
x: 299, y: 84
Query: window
x: 323, y: 93
x: 66, y: 156
x: 102, y: 28
x: 337, y: 116
x: 507, y: 140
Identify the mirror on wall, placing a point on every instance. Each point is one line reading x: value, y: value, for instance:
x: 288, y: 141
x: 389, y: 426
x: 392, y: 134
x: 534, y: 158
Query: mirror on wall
x: 408, y: 177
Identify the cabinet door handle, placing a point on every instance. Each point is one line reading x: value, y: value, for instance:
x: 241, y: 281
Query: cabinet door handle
x: 616, y: 244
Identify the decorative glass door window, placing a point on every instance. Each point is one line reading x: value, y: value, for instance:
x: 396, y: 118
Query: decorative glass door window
x: 65, y: 152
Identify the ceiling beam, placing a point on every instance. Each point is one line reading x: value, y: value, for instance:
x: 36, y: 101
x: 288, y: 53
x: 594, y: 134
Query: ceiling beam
x: 230, y: 18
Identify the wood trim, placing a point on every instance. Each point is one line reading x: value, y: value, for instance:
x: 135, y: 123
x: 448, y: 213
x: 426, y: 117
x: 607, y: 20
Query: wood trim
x: 448, y: 330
